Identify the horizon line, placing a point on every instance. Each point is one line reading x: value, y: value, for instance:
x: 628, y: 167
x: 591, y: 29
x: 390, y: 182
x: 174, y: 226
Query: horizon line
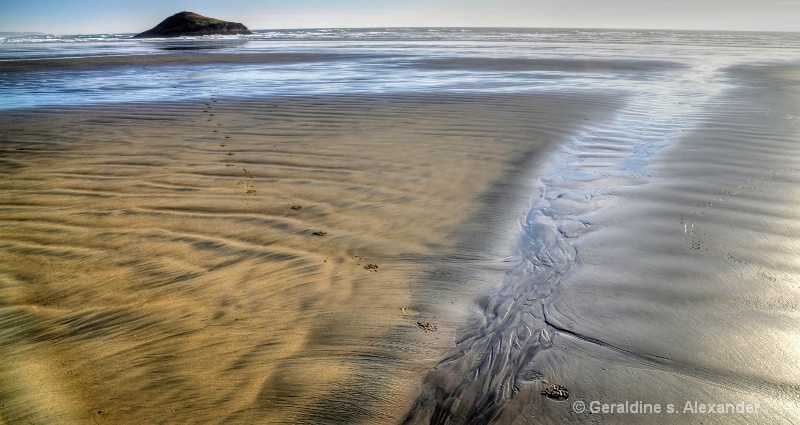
x: 396, y: 27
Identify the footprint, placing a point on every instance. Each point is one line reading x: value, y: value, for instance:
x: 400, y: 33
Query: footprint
x: 426, y: 326
x: 248, y: 188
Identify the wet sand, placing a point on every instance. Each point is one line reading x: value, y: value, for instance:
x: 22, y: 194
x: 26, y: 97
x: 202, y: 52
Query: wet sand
x: 686, y: 286
x: 159, y: 262
x: 181, y: 60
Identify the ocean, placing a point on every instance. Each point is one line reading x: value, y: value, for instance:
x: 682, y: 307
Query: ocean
x: 375, y: 61
x: 657, y: 263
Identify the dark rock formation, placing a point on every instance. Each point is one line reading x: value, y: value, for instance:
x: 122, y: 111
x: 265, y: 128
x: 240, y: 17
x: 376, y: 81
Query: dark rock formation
x: 191, y: 24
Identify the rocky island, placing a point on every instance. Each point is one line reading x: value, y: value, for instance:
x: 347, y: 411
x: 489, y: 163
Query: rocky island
x: 187, y: 24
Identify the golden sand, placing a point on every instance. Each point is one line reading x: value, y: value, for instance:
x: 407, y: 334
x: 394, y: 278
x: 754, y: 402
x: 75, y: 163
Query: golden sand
x: 159, y: 262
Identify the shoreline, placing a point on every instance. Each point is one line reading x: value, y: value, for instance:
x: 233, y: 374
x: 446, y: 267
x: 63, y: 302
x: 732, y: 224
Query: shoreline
x: 172, y: 274
x: 169, y: 57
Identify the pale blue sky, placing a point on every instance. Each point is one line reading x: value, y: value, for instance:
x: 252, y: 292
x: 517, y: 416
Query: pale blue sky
x: 124, y: 16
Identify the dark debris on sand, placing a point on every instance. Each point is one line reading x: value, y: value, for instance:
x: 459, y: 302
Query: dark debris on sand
x: 426, y: 326
x: 556, y: 392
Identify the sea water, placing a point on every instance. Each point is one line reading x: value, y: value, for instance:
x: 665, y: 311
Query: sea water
x: 343, y: 61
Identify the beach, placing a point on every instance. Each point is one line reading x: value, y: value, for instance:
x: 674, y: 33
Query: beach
x: 160, y: 261
x: 377, y: 228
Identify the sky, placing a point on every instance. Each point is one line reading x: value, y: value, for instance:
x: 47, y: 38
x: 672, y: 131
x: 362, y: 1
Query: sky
x: 125, y: 16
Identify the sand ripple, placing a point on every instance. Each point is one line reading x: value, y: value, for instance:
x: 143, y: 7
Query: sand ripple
x: 153, y: 270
